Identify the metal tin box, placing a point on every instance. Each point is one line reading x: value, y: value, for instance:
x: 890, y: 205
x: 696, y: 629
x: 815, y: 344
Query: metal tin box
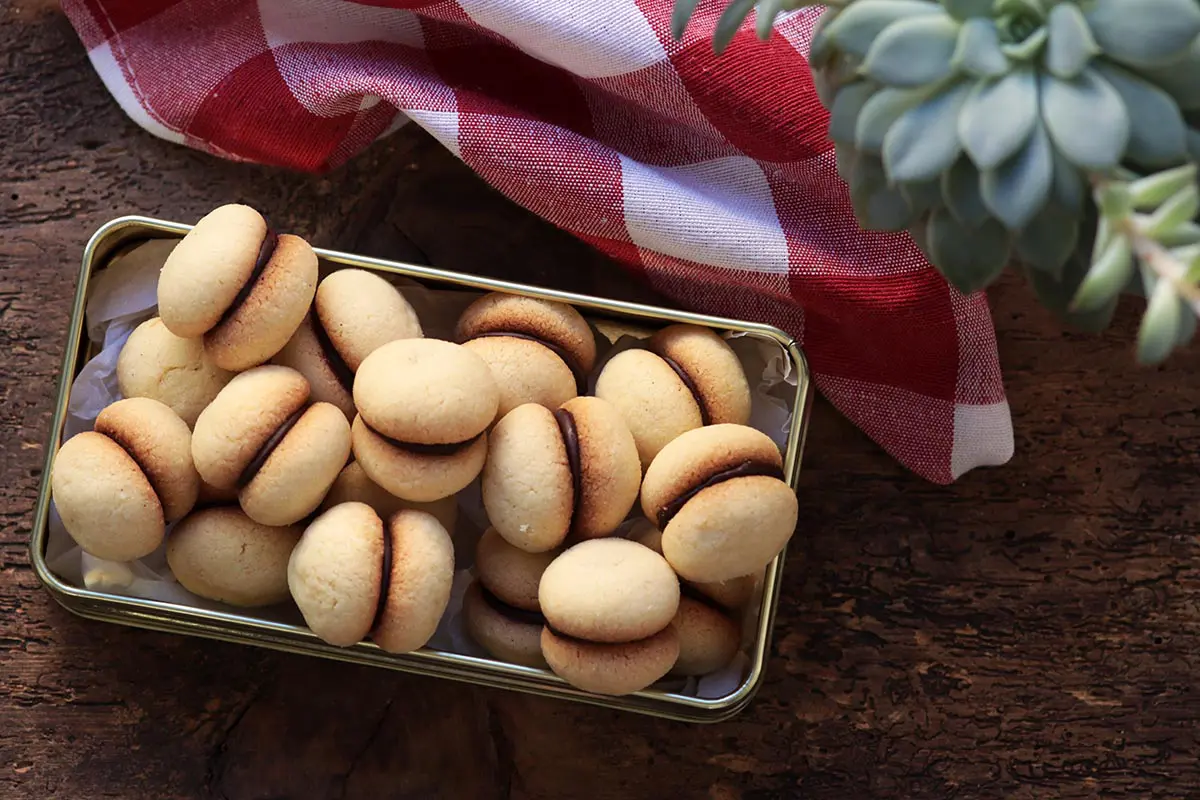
x: 247, y: 629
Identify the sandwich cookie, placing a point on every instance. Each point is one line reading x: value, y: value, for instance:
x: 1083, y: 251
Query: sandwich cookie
x: 263, y: 437
x: 239, y: 285
x: 539, y: 351
x: 609, y: 606
x: 501, y: 609
x: 221, y: 554
x: 353, y: 575
x: 718, y: 496
x: 354, y: 485
x: 708, y: 637
x: 156, y: 363
x: 552, y: 473
x: 355, y: 311
x: 685, y: 377
x: 117, y: 486
x: 731, y: 595
x: 423, y: 408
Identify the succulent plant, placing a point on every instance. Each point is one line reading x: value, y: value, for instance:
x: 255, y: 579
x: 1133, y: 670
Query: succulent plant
x: 1057, y: 136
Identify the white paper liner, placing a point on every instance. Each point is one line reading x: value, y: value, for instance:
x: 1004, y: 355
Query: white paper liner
x: 124, y: 294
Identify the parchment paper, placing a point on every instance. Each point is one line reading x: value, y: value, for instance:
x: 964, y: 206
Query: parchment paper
x: 124, y: 294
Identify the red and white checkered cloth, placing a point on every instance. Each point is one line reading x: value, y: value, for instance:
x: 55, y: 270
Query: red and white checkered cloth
x: 711, y: 175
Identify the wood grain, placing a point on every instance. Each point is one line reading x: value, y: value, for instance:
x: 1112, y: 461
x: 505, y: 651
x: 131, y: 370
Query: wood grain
x: 1030, y: 632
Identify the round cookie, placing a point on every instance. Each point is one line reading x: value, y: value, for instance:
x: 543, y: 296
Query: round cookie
x: 685, y: 377
x: 354, y: 485
x: 539, y: 351
x: 732, y: 594
x: 718, y: 495
x: 355, y: 311
x: 501, y: 609
x: 424, y: 406
x: 611, y: 669
x: 609, y: 590
x: 156, y: 363
x: 237, y: 284
x: 263, y: 437
x: 221, y: 554
x: 553, y: 473
x: 708, y: 637
x: 609, y: 606
x: 117, y: 486
x: 352, y: 575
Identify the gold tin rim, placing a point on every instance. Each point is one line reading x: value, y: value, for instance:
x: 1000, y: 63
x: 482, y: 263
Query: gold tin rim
x: 241, y: 629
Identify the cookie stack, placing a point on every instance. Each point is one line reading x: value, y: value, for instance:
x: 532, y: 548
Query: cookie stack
x: 305, y: 440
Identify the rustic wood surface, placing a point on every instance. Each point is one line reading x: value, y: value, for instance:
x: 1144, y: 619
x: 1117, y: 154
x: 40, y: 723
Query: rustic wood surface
x: 1032, y: 631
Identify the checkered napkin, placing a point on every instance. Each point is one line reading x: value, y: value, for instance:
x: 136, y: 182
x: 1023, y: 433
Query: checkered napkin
x: 709, y: 175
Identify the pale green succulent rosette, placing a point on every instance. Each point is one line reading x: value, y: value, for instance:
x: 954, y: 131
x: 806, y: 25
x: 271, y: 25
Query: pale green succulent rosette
x: 1059, y: 135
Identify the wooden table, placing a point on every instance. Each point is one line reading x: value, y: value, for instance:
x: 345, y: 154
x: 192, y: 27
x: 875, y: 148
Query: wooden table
x: 1032, y: 631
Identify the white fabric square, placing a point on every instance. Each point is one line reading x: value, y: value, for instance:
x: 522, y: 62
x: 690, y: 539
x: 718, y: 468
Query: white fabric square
x: 983, y: 436
x: 566, y: 32
x: 115, y: 79
x: 718, y: 212
x: 443, y: 125
x: 321, y: 21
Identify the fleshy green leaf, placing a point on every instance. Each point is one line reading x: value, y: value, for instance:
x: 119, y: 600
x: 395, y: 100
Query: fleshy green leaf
x: 1086, y: 119
x: 867, y: 175
x: 1020, y: 8
x: 1157, y: 135
x: 1154, y: 190
x: 681, y: 15
x: 1161, y: 325
x: 1049, y: 239
x: 998, y: 117
x: 1068, y: 184
x: 978, y: 50
x: 1187, y: 324
x: 965, y: 9
x: 1056, y: 295
x: 1017, y: 190
x: 970, y: 258
x: 1110, y: 273
x: 913, y: 52
x: 1144, y: 33
x: 1181, y: 208
x: 882, y: 209
x: 766, y: 12
x: 960, y: 191
x: 1179, y: 78
x: 1180, y: 235
x: 1071, y: 43
x: 822, y: 47
x: 1029, y: 49
x: 845, y: 156
x: 923, y: 196
x: 830, y: 79
x: 1193, y: 144
x: 856, y: 27
x: 879, y: 114
x: 1114, y: 200
x: 847, y: 105
x: 923, y: 142
x: 730, y: 20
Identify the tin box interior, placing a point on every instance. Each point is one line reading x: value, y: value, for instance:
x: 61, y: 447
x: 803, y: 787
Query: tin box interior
x: 246, y: 629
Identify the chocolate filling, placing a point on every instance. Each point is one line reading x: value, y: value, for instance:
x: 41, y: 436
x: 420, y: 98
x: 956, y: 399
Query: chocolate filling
x: 341, y: 370
x: 744, y: 470
x: 566, y: 636
x: 265, y: 251
x: 385, y: 582
x: 512, y: 613
x: 268, y: 447
x: 419, y: 448
x: 566, y: 426
x: 705, y: 418
x: 573, y: 365
x: 129, y: 451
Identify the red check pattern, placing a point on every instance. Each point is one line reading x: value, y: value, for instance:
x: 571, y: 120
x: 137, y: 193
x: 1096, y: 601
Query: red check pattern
x: 710, y: 175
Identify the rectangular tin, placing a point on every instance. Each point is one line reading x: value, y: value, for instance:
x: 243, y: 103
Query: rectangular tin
x: 245, y: 629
